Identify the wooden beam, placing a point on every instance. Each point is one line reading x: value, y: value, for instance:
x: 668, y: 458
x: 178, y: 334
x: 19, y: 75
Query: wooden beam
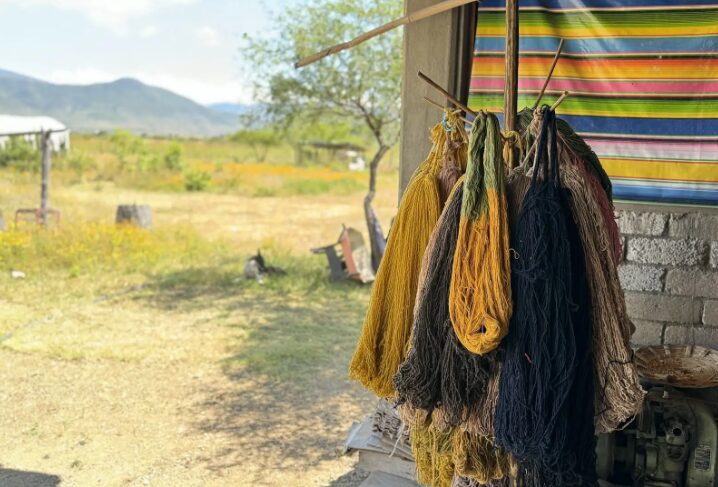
x: 407, y: 19
x: 511, y: 77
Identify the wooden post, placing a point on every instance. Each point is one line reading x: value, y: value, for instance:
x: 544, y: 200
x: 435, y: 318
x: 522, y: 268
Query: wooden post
x: 511, y: 78
x: 46, y: 144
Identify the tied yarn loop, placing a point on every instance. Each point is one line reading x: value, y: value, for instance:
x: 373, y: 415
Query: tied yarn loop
x: 480, y: 296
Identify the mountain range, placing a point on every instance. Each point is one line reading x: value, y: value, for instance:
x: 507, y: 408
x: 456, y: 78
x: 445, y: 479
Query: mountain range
x: 124, y: 103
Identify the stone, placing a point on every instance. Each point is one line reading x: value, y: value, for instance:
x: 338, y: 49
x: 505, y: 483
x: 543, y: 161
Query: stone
x: 714, y: 255
x: 692, y: 282
x: 637, y: 223
x: 685, y: 335
x: 647, y: 333
x: 710, y: 313
x: 666, y: 251
x: 660, y: 307
x: 636, y: 277
x: 693, y: 225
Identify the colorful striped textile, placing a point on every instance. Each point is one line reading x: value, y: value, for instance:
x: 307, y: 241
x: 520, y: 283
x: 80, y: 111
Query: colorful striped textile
x: 643, y: 77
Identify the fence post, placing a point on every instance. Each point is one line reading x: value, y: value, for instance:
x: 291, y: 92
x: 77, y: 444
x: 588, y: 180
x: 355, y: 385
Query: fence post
x: 46, y: 144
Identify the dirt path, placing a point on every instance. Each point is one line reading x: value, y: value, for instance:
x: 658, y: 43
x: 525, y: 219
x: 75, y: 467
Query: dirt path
x: 187, y: 388
x: 149, y: 398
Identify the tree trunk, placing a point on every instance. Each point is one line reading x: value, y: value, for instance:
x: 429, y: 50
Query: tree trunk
x: 138, y: 215
x: 376, y: 248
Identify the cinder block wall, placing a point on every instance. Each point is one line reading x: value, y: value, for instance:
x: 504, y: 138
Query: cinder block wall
x: 670, y: 274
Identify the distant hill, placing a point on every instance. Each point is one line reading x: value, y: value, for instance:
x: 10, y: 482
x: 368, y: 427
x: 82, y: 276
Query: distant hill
x: 124, y: 103
x: 232, y: 108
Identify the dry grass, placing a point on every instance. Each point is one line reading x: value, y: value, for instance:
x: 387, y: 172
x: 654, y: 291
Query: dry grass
x: 130, y: 358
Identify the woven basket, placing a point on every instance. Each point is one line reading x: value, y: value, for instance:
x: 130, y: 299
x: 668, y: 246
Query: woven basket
x: 679, y: 365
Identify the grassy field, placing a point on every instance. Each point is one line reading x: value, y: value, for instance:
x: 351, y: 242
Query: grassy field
x: 130, y: 357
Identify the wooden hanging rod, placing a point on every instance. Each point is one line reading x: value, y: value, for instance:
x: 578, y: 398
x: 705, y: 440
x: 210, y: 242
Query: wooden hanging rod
x: 407, y: 19
x: 448, y: 95
x: 441, y: 107
x: 550, y: 73
x: 560, y: 100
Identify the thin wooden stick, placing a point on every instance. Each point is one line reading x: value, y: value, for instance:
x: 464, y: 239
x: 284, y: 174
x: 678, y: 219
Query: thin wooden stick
x: 407, y: 19
x: 448, y: 95
x: 550, y: 73
x: 441, y: 107
x: 560, y: 100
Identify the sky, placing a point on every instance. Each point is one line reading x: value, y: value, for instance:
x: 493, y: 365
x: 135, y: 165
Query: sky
x: 188, y: 46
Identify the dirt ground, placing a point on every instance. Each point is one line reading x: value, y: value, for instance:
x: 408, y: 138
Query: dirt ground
x: 149, y: 388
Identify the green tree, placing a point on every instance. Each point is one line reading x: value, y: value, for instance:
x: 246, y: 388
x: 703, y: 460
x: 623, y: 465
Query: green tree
x: 259, y: 140
x: 362, y: 83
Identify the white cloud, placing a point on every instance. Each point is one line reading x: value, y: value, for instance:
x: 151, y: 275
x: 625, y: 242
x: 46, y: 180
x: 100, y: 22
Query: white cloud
x: 202, y: 91
x: 208, y: 36
x: 148, y: 31
x: 114, y: 14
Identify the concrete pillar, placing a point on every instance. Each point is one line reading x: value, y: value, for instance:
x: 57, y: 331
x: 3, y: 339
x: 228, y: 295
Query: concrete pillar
x: 441, y: 47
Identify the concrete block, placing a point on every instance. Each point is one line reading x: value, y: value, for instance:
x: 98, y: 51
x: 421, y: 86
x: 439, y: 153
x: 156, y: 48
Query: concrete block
x: 692, y: 282
x: 684, y: 335
x: 637, y: 223
x: 647, y: 333
x: 714, y: 255
x: 710, y: 313
x: 666, y: 251
x: 658, y: 307
x: 693, y: 225
x: 636, y: 277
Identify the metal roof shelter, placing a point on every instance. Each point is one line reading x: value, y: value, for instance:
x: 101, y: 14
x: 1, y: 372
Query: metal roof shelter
x: 29, y: 127
x: 51, y: 136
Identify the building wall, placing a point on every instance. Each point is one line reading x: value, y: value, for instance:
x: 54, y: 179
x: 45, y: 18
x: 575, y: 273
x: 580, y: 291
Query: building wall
x: 435, y: 47
x: 670, y: 273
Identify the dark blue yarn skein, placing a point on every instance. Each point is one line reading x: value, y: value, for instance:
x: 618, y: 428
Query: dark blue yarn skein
x: 545, y: 406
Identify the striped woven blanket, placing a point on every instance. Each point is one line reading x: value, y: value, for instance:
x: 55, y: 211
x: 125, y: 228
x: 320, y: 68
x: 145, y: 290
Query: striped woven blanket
x: 643, y: 77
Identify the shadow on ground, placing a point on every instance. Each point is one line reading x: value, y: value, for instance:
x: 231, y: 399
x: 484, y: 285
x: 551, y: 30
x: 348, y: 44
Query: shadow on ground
x: 289, y: 404
x: 21, y: 478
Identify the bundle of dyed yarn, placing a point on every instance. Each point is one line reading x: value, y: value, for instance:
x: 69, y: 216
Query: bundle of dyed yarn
x: 384, y: 338
x: 512, y: 352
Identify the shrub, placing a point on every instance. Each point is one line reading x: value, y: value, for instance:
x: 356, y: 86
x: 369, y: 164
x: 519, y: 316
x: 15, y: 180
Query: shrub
x: 79, y: 162
x: 173, y: 157
x: 197, y: 180
x: 19, y: 153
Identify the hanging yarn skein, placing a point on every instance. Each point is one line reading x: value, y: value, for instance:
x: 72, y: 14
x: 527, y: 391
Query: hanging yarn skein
x: 619, y: 394
x: 418, y: 379
x: 480, y: 296
x: 384, y: 338
x: 545, y: 406
x: 438, y: 369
